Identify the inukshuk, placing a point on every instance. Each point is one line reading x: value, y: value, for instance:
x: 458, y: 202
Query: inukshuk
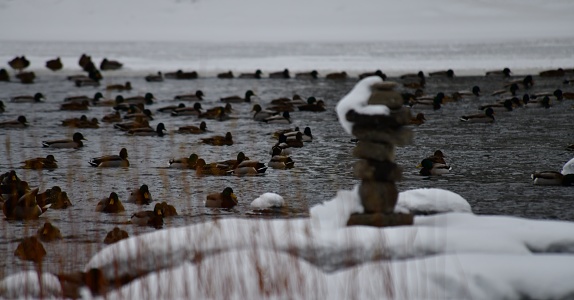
x: 378, y: 134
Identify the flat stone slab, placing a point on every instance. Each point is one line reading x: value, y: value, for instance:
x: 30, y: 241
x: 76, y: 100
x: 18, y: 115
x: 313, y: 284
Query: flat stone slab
x: 378, y: 197
x: 378, y: 170
x: 380, y: 220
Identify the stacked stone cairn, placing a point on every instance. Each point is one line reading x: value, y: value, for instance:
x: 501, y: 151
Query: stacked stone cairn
x: 378, y: 135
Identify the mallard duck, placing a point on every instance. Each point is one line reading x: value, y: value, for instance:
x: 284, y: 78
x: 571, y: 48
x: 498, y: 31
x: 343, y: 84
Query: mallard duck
x: 12, y: 186
x: 23, y: 208
x: 337, y: 76
x: 260, y: 114
x: 184, y: 162
x: 225, y: 199
x: 526, y: 82
x: 147, y: 99
x: 112, y: 117
x: 279, y: 161
x: 135, y: 113
x: 434, y: 104
x: 154, y: 77
x: 170, y: 108
x: 168, y: 210
x: 499, y: 107
x: 313, y: 105
x: 159, y: 131
x: 284, y: 118
x: 552, y: 73
x: 48, y: 233
x: 140, y: 195
x: 149, y: 218
x: 137, y: 123
x: 4, y: 76
x: 282, y: 74
x: 419, y: 74
x: 418, y: 119
x: 486, y: 117
x: 197, y: 96
x: 19, y: 63
x: 219, y: 113
x: 430, y: 168
x: 40, y: 163
x: 187, y: 111
x: 307, y: 75
x: 294, y: 141
x: 119, y: 87
x: 49, y: 196
x: 277, y: 133
x: 219, y: 140
x: 26, y: 77
x: 444, y: 73
x: 248, y: 167
x: 111, y: 204
x: 2, y: 107
x: 36, y: 98
x: 180, y: 74
x: 30, y: 249
x: 106, y: 65
x: 115, y: 235
x: 193, y: 129
x: 225, y: 75
x: 376, y: 73
x: 504, y: 72
x: 21, y: 122
x: 256, y: 75
x: 239, y: 99
x: 75, y: 142
x: 73, y: 122
x: 552, y: 178
x: 75, y: 105
x: 233, y: 163
x: 475, y: 91
x: 204, y: 169
x: 61, y: 202
x: 111, y: 160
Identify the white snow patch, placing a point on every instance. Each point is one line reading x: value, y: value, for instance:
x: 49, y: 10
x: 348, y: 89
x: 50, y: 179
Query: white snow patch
x: 268, y: 200
x: 431, y: 201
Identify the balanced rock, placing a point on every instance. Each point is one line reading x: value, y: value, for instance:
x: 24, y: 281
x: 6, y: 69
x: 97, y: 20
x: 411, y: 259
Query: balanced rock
x: 378, y: 197
x: 377, y: 170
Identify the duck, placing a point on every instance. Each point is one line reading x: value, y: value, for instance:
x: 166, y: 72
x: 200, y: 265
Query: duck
x: 168, y: 210
x: 48, y: 233
x: 233, y: 163
x: 260, y: 114
x: 135, y: 113
x: 106, y: 65
x: 307, y: 75
x: 430, y: 168
x: 61, y: 202
x: 225, y: 75
x: 184, y: 162
x: 279, y: 161
x: 115, y: 235
x: 119, y: 87
x: 418, y: 119
x: 337, y: 76
x: 54, y: 64
x: 112, y: 117
x: 552, y: 73
x: 154, y: 77
x: 41, y: 163
x: 75, y: 106
x: 36, y: 98
x: 256, y: 75
x: 85, y: 62
x: 86, y: 82
x: 140, y: 196
x: 552, y: 178
x: 23, y: 208
x: 49, y: 196
x: 187, y: 111
x: 419, y: 74
x: 475, y: 91
x: 147, y: 99
x: 434, y: 104
x: 443, y: 73
x: 95, y: 99
x: 137, y: 123
x: 26, y: 77
x: 75, y: 142
x: 282, y: 74
x: 294, y: 141
x: 197, y: 96
x: 248, y: 167
x: 20, y: 122
x: 19, y: 63
x: 170, y: 108
x: 504, y: 72
x: 486, y: 117
x: 204, y: 169
x: 277, y: 133
x: 81, y: 122
x: 284, y: 118
x: 376, y: 73
x: 313, y: 105
x: 219, y: 140
x: 225, y: 199
x: 110, y: 205
x: 499, y: 107
x: 159, y: 131
x: 527, y: 82
x: 438, y: 157
x: 30, y: 249
x: 193, y: 129
x: 512, y: 88
x: 2, y: 107
x: 239, y: 99
x: 4, y: 76
x: 149, y: 218
x: 219, y: 113
x: 120, y: 160
x: 180, y: 74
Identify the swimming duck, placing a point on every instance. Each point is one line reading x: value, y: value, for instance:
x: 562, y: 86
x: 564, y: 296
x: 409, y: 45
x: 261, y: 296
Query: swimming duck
x: 193, y: 129
x: 75, y: 106
x: 279, y: 161
x: 40, y: 163
x: 552, y: 178
x: 504, y: 72
x: 248, y: 167
x: 146, y: 99
x: 136, y: 113
x: 73, y: 122
x: 95, y: 99
x: 26, y: 77
x: 111, y: 204
x: 219, y: 140
x: 225, y: 75
x: 418, y: 119
x: 256, y: 75
x: 277, y: 133
x: 119, y: 87
x: 487, y: 117
x: 499, y: 107
x: 219, y: 113
x: 419, y: 74
x: 445, y: 73
x: 48, y: 233
x: 434, y: 104
x: 140, y: 195
x: 337, y: 76
x: 38, y: 97
x: 159, y: 131
x: 203, y: 169
x: 313, y: 105
x: 184, y: 162
x: 112, y: 117
x: 511, y: 91
x: 154, y: 77
x: 30, y: 249
x: 260, y: 114
x: 307, y: 75
x: 180, y: 74
x: 21, y: 122
x: 284, y: 118
x: 475, y: 91
x: 49, y: 196
x: 61, y: 202
x: 86, y: 82
x: 437, y: 157
x: 411, y: 84
x: 238, y: 99
x: 170, y: 108
x: 187, y: 111
x: 294, y: 141
x: 552, y: 73
x: 19, y: 63
x: 115, y: 235
x: 149, y: 218
x: 232, y: 163
x: 54, y: 64
x: 197, y: 96
x: 282, y: 74
x: 106, y: 65
x: 111, y: 160
x: 376, y: 73
x: 24, y: 208
x: 430, y: 168
x: 4, y: 76
x: 2, y: 107
x: 168, y: 210
x: 526, y: 82
x: 225, y: 199
x: 137, y: 123
x: 75, y: 142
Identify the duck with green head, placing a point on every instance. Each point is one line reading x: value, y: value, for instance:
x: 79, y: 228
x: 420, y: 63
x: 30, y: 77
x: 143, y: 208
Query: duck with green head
x: 239, y: 99
x: 184, y: 162
x: 120, y: 160
x: 225, y: 199
x: 149, y: 218
x: 111, y: 204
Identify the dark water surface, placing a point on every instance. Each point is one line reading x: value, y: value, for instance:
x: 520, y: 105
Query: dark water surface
x: 491, y: 163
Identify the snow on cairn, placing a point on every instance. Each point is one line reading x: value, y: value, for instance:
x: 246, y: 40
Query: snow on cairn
x: 431, y: 201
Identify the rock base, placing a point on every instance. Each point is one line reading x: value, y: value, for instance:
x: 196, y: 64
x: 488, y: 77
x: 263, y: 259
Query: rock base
x: 380, y: 220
